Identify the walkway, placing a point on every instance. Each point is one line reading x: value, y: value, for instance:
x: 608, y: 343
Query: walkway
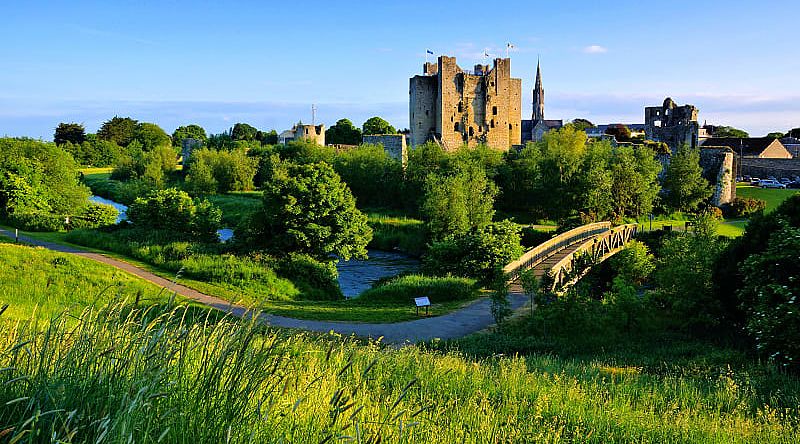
x: 471, y: 319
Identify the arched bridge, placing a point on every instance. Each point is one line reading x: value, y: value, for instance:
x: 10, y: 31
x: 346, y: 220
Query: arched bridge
x: 568, y: 256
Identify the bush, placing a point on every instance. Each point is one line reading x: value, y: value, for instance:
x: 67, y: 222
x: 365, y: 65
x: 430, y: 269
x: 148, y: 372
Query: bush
x: 317, y: 281
x: 172, y: 209
x: 96, y: 215
x: 532, y: 237
x: 770, y: 282
x: 479, y: 254
x: 404, y: 289
x: 37, y: 221
x: 744, y: 206
x: 634, y: 263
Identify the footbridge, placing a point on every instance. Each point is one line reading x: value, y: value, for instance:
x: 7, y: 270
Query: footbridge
x: 565, y: 258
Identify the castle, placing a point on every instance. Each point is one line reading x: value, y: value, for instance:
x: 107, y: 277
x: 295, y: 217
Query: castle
x: 454, y: 107
x: 672, y: 124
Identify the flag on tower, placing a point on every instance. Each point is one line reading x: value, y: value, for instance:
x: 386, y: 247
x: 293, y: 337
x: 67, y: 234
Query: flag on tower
x: 509, y: 46
x: 429, y: 51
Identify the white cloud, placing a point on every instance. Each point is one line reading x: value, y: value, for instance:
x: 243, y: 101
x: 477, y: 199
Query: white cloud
x: 595, y: 49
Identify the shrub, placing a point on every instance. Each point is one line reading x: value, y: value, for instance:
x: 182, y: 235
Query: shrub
x: 404, y: 289
x: 96, y: 215
x: 634, y: 263
x: 37, y: 221
x: 744, y: 206
x: 770, y: 282
x: 317, y: 281
x: 532, y: 237
x: 172, y: 209
x: 479, y: 254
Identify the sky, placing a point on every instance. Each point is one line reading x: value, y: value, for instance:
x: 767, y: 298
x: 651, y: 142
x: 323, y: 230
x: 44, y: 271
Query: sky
x: 265, y: 63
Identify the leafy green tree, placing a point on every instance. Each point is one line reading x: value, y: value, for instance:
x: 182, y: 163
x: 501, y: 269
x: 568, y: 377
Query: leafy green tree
x: 794, y: 132
x: 684, y: 275
x: 634, y: 172
x: 776, y: 135
x: 308, y: 209
x: 69, y: 132
x: 243, y: 131
x: 39, y: 178
x: 684, y: 184
x: 230, y: 171
x: 729, y: 131
x: 151, y: 136
x: 581, y: 124
x: 620, y: 132
x: 634, y: 263
x: 458, y: 202
x: 188, y: 132
x: 770, y: 282
x: 120, y: 130
x: 343, y: 133
x: 174, y: 210
x: 373, y: 176
x: 267, y: 137
x: 596, y: 183
x: 376, y: 125
x: 200, y: 179
x: 480, y: 253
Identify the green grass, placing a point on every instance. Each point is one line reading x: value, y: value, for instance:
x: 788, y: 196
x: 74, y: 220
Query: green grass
x: 391, y: 232
x: 404, y: 289
x: 773, y: 197
x: 131, y: 376
x: 46, y: 282
x: 236, y: 206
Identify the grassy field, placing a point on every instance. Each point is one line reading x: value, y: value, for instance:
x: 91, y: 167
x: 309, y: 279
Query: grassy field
x: 772, y: 197
x: 130, y: 376
x: 353, y: 310
x: 236, y: 207
x: 46, y: 282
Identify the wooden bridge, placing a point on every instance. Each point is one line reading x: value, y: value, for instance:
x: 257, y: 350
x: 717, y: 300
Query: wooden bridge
x: 568, y: 256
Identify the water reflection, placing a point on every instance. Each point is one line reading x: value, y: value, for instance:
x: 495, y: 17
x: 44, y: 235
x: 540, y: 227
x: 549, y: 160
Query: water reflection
x: 355, y: 276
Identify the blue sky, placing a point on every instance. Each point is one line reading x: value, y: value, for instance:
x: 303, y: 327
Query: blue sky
x: 265, y: 63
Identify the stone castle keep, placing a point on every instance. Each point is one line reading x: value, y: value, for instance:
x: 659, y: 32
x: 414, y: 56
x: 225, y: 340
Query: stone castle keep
x: 454, y: 107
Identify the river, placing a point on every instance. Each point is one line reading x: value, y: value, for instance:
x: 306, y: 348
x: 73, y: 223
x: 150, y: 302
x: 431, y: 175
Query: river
x: 355, y: 276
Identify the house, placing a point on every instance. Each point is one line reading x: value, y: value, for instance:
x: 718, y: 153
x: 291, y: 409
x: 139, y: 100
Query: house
x: 792, y: 144
x: 752, y: 147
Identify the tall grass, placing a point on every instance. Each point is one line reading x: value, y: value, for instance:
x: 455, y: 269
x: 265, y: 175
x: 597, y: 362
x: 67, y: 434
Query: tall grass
x: 404, y: 289
x: 398, y: 233
x: 127, y: 374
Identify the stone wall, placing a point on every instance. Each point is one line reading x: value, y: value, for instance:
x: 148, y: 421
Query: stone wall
x: 187, y: 146
x: 718, y: 168
x: 770, y: 167
x: 393, y: 144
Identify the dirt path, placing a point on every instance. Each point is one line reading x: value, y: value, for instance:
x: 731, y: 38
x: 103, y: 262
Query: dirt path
x: 470, y: 319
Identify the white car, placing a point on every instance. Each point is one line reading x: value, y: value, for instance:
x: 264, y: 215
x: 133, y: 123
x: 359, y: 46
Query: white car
x: 769, y: 183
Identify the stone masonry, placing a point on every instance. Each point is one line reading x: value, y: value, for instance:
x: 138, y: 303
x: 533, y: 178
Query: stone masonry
x: 718, y: 169
x: 672, y: 124
x: 455, y: 107
x: 393, y: 144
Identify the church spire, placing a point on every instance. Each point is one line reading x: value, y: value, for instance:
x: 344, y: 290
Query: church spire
x: 538, y: 96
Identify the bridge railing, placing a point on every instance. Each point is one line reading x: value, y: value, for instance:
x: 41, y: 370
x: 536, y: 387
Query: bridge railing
x: 537, y: 254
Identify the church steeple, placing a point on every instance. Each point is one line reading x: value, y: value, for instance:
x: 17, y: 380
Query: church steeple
x: 538, y: 96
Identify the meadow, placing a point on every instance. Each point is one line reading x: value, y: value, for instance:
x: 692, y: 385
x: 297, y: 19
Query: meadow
x: 162, y: 373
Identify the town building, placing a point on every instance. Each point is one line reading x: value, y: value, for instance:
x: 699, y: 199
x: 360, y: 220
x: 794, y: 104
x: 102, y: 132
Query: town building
x: 752, y: 147
x: 533, y: 130
x: 792, y: 144
x: 313, y: 133
x: 456, y: 107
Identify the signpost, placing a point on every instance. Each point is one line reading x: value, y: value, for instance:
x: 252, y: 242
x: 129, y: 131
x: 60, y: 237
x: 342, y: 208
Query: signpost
x: 422, y: 302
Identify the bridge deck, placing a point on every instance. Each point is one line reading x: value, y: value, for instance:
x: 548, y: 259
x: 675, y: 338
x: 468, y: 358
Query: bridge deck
x: 543, y: 267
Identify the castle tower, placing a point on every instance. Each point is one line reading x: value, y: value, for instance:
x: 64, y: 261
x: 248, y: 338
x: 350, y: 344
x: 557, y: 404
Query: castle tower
x: 538, y: 96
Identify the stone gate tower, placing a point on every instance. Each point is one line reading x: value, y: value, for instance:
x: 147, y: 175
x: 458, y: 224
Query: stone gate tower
x: 454, y: 107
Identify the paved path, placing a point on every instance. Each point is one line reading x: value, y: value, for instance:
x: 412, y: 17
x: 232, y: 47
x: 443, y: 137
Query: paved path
x: 473, y: 318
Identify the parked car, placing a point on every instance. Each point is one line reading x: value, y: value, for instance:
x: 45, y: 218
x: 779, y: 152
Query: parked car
x: 794, y: 184
x: 754, y: 181
x: 746, y: 179
x: 785, y: 180
x: 772, y: 178
x: 769, y: 183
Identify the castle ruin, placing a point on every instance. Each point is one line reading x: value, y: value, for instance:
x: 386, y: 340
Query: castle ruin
x: 672, y: 124
x: 455, y: 107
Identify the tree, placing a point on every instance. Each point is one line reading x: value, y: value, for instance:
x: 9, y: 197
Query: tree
x: 770, y: 282
x: 634, y: 263
x: 684, y: 185
x: 373, y: 176
x: 308, y: 209
x: 200, y: 180
x: 634, y: 173
x: 120, y: 130
x: 267, y: 137
x: 243, y: 131
x: 456, y: 203
x: 343, y: 133
x: 581, y: 124
x: 684, y: 275
x: 729, y: 131
x: 620, y: 132
x: 376, y: 125
x: 794, y: 132
x: 229, y: 171
x: 69, y: 132
x: 195, y: 132
x: 776, y: 135
x: 176, y: 211
x: 151, y: 136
